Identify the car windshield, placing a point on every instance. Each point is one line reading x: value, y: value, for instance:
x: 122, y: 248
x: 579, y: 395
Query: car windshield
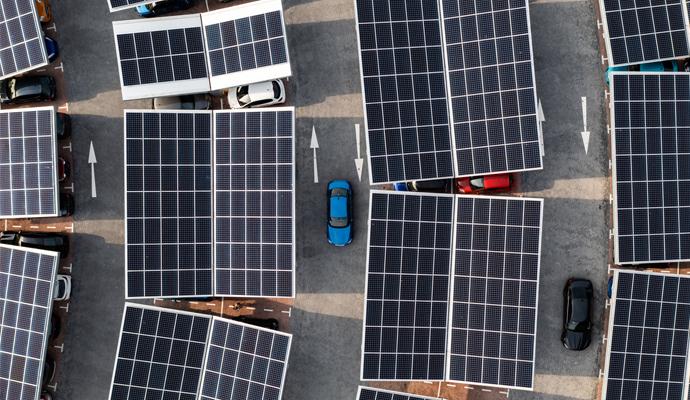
x: 10, y: 85
x: 477, y: 183
x: 243, y: 95
x: 276, y: 90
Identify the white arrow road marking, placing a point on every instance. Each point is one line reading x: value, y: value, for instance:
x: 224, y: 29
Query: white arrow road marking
x: 585, y: 132
x: 92, y: 161
x: 359, y: 161
x: 540, y: 120
x: 315, y: 145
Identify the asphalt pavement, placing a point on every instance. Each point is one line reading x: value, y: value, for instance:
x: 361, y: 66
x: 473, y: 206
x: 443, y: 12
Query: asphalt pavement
x: 325, y: 87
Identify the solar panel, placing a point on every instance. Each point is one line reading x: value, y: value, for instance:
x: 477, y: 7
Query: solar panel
x: 651, y: 168
x: 405, y: 102
x: 28, y: 156
x: 491, y: 84
x: 168, y: 203
x: 117, y: 5
x: 163, y: 57
x: 365, y: 393
x: 647, y: 342
x: 160, y: 354
x: 254, y: 203
x: 246, y: 44
x: 638, y: 32
x: 21, y: 44
x: 494, y: 294
x: 26, y: 298
x: 406, y: 299
x: 244, y: 362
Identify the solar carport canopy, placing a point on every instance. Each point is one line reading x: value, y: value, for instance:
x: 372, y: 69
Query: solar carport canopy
x: 173, y: 354
x: 28, y: 157
x: 650, y: 115
x: 26, y: 298
x: 462, y: 309
x: 647, y: 341
x: 365, y: 393
x: 116, y: 5
x: 22, y: 47
x: 161, y: 56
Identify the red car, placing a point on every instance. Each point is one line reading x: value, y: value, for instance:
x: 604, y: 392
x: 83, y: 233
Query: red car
x: 488, y: 183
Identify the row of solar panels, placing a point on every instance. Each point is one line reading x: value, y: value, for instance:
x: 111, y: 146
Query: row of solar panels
x: 22, y: 45
x: 27, y: 278
x: 210, y: 201
x: 202, y: 52
x: 172, y: 354
x: 452, y: 287
x: 647, y: 340
x: 448, y: 91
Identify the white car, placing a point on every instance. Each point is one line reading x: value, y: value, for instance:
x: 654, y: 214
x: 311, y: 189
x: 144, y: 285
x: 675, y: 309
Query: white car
x: 63, y: 287
x: 262, y: 94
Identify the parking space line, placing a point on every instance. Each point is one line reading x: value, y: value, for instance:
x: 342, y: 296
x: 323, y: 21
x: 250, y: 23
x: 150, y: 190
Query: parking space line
x: 60, y: 67
x: 65, y: 307
x: 64, y: 107
x: 51, y: 227
x: 268, y: 309
x: 69, y: 147
x: 60, y: 347
x: 251, y: 308
x: 33, y: 226
x: 52, y: 28
x: 70, y: 228
x: 53, y: 387
x: 70, y: 187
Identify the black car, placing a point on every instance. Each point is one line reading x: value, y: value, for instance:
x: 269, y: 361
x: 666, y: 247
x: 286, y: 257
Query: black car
x: 37, y: 240
x: 432, y: 186
x: 63, y: 126
x: 269, y: 323
x: 27, y: 89
x: 577, y: 314
x: 66, y: 204
x: 163, y: 7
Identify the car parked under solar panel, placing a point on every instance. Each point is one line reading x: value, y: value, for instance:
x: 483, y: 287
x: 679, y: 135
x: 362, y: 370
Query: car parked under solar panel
x: 52, y: 49
x: 63, y: 126
x: 27, y: 89
x: 37, y: 240
x: 44, y: 11
x: 261, y: 94
x: 158, y: 8
x: 186, y: 102
x: 431, y: 186
x: 483, y: 184
x: 339, y: 230
x: 660, y: 66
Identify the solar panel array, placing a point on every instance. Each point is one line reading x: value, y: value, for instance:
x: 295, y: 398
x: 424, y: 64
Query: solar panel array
x: 651, y: 150
x: 161, y: 56
x: 26, y: 298
x: 407, y: 286
x: 494, y: 295
x: 160, y: 354
x: 246, y: 44
x: 405, y: 99
x: 365, y: 393
x: 116, y: 5
x: 168, y: 203
x: 639, y: 32
x: 491, y: 84
x: 21, y: 40
x: 244, y: 362
x: 647, y: 346
x: 254, y: 203
x: 28, y: 176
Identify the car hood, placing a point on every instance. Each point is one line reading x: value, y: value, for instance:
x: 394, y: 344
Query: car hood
x: 576, y: 340
x: 339, y: 236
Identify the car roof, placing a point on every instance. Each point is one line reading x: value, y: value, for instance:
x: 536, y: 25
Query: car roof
x: 338, y: 206
x: 261, y: 91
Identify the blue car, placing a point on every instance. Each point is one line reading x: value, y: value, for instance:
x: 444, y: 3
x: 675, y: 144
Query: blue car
x: 52, y: 49
x: 339, y: 213
x: 163, y: 7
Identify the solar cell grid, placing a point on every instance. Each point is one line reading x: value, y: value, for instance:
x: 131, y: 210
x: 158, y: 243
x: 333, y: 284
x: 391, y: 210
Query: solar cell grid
x: 405, y: 102
x: 21, y: 39
x: 160, y: 354
x: 381, y: 394
x: 168, y: 204
x: 406, y: 304
x: 244, y: 362
x: 638, y: 32
x: 246, y: 44
x: 254, y: 202
x: 494, y: 294
x: 647, y: 348
x: 26, y: 298
x: 651, y: 150
x: 491, y: 86
x: 28, y: 176
x: 161, y: 57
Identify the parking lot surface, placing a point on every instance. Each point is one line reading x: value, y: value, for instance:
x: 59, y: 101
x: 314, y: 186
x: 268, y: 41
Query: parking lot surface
x: 326, y: 317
